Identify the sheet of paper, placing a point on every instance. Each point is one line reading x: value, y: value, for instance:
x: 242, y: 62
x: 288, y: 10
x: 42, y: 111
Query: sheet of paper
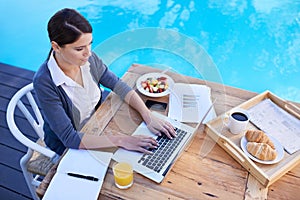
x: 83, y: 162
x: 278, y: 123
x: 190, y: 102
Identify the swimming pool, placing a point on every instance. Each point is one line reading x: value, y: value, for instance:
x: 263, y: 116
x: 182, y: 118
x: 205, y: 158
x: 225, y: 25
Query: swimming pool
x: 252, y: 44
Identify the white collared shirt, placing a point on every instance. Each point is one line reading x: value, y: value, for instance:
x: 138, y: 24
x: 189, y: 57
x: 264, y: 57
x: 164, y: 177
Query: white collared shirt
x: 85, y: 97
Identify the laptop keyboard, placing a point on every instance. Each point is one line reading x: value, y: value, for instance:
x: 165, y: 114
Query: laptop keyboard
x: 162, y: 153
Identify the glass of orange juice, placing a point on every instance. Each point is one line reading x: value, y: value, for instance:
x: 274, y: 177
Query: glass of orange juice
x: 123, y: 174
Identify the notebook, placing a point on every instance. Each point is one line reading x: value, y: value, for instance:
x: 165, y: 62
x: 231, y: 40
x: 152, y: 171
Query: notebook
x: 158, y: 164
x: 79, y: 175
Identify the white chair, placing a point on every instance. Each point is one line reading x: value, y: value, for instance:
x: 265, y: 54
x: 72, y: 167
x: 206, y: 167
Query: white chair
x: 38, y: 160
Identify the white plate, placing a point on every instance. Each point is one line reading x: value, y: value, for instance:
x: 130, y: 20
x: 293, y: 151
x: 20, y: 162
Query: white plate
x: 154, y: 75
x: 278, y: 148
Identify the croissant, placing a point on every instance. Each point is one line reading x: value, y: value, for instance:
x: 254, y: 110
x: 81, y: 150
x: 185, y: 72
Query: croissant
x: 261, y: 151
x: 259, y: 137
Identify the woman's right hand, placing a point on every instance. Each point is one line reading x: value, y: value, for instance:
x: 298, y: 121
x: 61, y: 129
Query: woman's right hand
x: 139, y: 143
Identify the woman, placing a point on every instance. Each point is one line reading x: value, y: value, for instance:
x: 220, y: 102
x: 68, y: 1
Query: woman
x: 68, y: 90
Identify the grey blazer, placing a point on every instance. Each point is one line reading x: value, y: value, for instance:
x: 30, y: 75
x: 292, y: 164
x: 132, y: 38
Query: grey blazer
x: 60, y: 115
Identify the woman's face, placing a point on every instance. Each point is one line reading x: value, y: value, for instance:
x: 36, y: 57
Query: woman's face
x: 76, y: 53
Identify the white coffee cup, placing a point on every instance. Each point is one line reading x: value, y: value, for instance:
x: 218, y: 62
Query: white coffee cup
x: 238, y: 120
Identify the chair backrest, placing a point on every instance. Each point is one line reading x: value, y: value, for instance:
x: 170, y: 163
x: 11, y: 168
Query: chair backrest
x: 35, y: 121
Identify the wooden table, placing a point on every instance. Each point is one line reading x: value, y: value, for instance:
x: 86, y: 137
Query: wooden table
x: 204, y: 170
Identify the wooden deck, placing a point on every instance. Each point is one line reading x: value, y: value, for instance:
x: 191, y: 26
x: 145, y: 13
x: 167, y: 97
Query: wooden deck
x: 12, y: 182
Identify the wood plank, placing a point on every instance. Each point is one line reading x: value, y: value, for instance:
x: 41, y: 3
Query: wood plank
x: 9, y: 140
x: 287, y: 187
x: 255, y: 190
x: 16, y: 71
x: 11, y: 161
x: 197, y: 181
x: 7, y: 194
x: 7, y: 91
x: 3, y: 104
x: 13, y: 81
x: 23, y: 125
x: 137, y: 191
x: 13, y: 180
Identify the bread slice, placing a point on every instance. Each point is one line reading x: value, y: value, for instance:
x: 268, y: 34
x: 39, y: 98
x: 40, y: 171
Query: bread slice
x: 259, y: 137
x: 261, y: 151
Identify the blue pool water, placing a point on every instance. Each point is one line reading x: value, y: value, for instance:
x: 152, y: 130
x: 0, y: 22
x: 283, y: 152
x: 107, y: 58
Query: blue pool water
x: 249, y: 44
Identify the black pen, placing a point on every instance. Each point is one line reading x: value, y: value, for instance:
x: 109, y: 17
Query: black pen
x: 91, y: 178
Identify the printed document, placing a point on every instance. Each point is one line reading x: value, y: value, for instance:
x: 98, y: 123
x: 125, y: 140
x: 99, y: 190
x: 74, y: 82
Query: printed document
x: 278, y: 123
x: 190, y: 103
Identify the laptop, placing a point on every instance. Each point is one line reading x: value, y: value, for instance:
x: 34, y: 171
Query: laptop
x: 155, y: 166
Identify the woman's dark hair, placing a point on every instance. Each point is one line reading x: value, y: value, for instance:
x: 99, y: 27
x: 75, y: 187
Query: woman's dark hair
x: 66, y: 26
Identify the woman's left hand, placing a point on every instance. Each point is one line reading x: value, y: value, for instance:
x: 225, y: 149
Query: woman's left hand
x: 159, y: 126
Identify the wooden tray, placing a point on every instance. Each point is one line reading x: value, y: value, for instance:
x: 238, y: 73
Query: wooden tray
x: 265, y: 174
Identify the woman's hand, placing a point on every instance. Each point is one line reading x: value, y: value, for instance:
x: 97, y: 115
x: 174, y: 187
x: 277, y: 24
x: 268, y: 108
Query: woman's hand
x: 139, y: 143
x: 154, y: 124
x: 159, y: 126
